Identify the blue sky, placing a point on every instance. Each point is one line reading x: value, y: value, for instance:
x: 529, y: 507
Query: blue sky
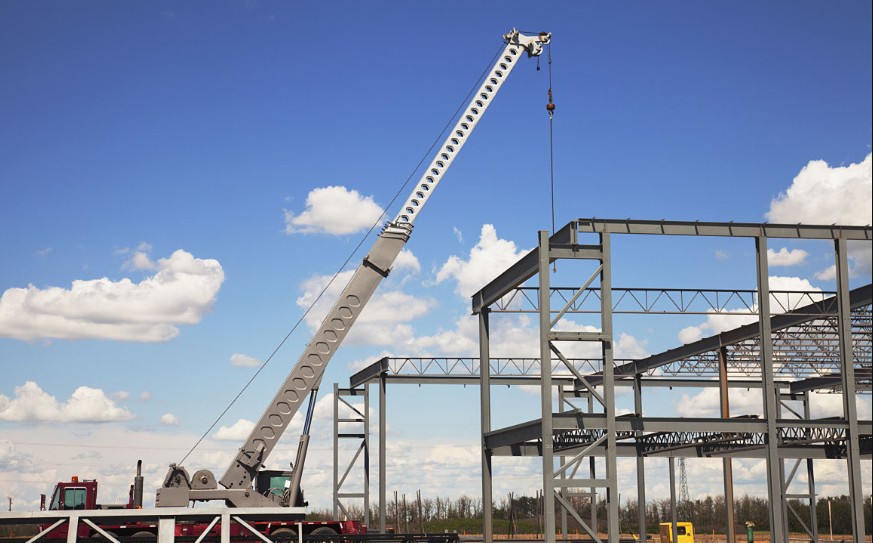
x: 178, y: 178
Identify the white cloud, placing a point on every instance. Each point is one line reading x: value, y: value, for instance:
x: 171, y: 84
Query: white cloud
x: 244, y: 361
x: 406, y: 261
x: 334, y: 210
x: 743, y: 401
x: 690, y: 334
x: 86, y: 404
x: 182, y: 291
x: 487, y: 260
x: 786, y: 257
x: 707, y: 403
x: 860, y: 260
x: 823, y: 404
x: 145, y: 396
x: 630, y: 347
x: 169, y: 419
x: 239, y: 431
x: 140, y: 261
x: 821, y: 194
x: 462, y: 340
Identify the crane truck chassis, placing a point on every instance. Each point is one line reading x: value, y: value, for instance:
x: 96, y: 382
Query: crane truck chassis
x: 274, y: 497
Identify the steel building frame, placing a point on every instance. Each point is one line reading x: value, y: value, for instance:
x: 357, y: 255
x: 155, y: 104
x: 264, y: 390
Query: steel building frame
x: 817, y: 333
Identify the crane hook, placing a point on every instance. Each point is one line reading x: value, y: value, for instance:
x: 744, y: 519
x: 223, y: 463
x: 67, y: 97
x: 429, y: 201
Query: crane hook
x: 550, y: 107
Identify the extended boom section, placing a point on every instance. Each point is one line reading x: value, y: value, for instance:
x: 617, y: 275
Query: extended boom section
x: 237, y: 486
x: 310, y: 367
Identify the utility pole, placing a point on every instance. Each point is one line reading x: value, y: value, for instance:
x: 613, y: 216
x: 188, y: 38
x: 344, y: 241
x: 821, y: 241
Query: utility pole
x: 10, y: 503
x: 683, y: 482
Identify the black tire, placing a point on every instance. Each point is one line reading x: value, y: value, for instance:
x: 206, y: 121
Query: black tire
x: 145, y: 534
x: 324, y: 531
x: 284, y: 534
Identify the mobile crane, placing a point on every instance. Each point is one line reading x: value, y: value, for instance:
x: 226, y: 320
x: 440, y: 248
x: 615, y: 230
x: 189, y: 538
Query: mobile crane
x: 239, y: 486
x: 245, y: 483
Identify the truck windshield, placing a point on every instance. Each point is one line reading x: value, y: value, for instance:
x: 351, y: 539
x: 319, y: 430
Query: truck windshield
x: 74, y: 498
x: 56, y: 500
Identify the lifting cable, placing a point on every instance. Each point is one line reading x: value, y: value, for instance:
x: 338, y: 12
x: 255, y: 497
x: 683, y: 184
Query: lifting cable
x: 550, y: 107
x: 401, y: 190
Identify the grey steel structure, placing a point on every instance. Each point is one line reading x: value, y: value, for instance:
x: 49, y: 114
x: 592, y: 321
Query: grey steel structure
x: 812, y: 341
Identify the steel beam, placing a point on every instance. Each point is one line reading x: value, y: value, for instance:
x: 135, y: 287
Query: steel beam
x: 723, y: 229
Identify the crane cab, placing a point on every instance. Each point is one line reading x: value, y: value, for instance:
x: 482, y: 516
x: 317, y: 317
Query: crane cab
x: 276, y: 482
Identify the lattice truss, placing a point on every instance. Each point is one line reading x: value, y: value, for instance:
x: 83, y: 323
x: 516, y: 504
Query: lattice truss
x: 833, y: 440
x: 807, y: 348
x: 810, y: 349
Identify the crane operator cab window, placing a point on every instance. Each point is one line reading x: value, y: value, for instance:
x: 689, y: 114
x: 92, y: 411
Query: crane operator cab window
x: 68, y: 498
x: 278, y: 484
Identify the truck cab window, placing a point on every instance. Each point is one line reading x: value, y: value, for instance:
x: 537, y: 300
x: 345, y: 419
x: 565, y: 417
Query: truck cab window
x: 56, y: 500
x: 74, y: 498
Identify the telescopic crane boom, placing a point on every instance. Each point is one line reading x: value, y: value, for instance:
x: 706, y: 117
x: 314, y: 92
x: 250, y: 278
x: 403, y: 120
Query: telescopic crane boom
x: 236, y: 486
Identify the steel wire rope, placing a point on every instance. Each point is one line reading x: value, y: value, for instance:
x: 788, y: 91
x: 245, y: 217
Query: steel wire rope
x: 551, y: 137
x: 381, y: 217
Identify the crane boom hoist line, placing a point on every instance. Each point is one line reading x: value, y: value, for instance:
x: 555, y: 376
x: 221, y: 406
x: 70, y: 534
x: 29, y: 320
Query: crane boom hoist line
x: 237, y: 486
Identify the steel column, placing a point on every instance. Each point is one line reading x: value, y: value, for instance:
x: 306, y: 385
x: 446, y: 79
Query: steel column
x: 810, y: 477
x: 771, y: 409
x: 609, y: 389
x: 485, y: 413
x: 727, y: 463
x: 562, y: 459
x: 672, y: 471
x: 382, y: 441
x: 336, y: 450
x: 546, y: 390
x: 641, y: 462
x: 853, y: 451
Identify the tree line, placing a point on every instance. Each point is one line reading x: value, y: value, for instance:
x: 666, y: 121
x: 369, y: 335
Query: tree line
x: 523, y: 514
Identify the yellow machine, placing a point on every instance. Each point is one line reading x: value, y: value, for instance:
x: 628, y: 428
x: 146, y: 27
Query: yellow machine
x: 684, y: 532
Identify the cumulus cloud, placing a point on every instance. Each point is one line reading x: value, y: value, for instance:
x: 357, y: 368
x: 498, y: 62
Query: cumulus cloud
x: 239, y: 431
x: 487, y: 259
x: 32, y: 403
x: 821, y: 194
x: 140, y: 261
x: 462, y: 340
x: 333, y: 210
x: 244, y: 361
x: 182, y: 291
x: 169, y: 419
x: 786, y: 257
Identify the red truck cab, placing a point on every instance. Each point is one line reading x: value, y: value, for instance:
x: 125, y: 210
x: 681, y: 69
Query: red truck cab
x: 75, y: 494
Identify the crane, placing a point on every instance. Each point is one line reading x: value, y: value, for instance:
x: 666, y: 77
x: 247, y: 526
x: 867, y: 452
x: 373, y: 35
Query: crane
x: 245, y: 483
